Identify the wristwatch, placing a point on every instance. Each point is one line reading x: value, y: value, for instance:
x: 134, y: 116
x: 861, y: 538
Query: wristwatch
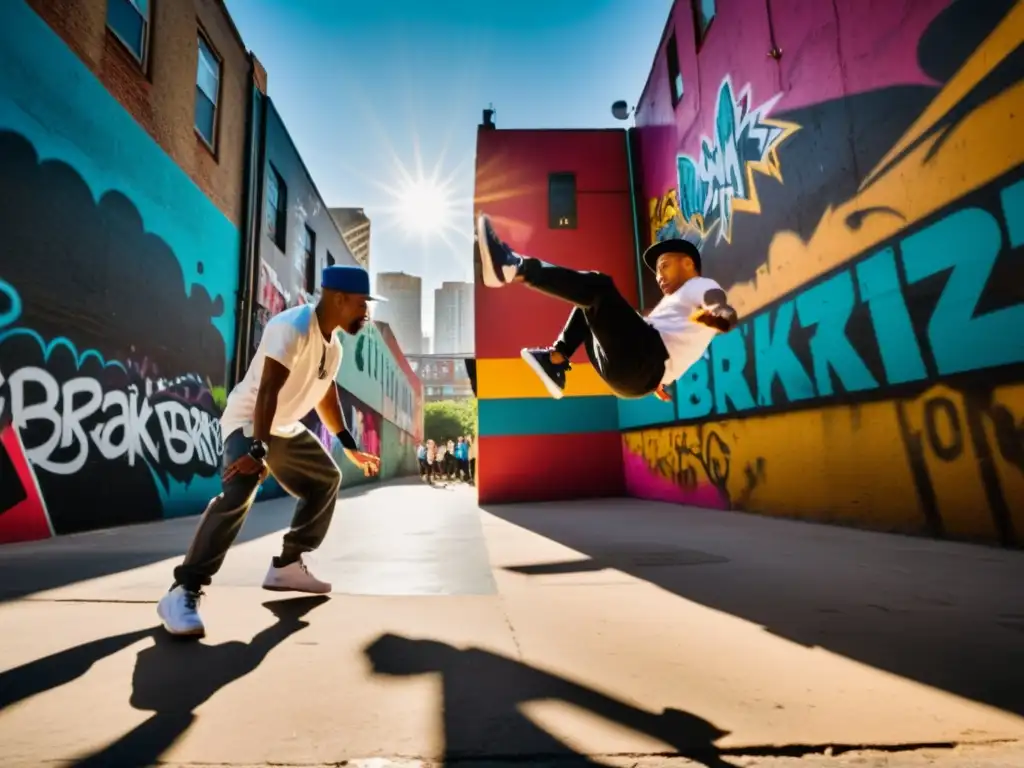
x: 258, y: 450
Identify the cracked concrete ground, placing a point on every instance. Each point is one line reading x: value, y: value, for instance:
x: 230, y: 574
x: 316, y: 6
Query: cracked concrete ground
x: 611, y: 632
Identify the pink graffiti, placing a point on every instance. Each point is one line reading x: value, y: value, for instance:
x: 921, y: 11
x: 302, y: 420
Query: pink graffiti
x: 644, y: 483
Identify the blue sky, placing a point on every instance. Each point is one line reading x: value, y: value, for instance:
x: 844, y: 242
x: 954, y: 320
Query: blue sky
x: 361, y: 83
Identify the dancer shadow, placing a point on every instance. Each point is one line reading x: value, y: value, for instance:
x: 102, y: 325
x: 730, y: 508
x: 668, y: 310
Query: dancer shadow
x: 483, y: 694
x: 173, y: 678
x: 57, y: 669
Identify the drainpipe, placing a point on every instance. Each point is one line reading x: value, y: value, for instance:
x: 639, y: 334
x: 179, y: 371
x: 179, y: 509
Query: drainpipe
x: 636, y: 218
x: 253, y: 183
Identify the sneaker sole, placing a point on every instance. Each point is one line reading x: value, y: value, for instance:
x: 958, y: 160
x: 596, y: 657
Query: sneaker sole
x: 490, y: 277
x: 271, y: 588
x: 200, y: 632
x: 549, y: 385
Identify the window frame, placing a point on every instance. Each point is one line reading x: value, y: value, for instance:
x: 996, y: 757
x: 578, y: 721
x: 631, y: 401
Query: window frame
x: 571, y: 220
x: 672, y: 62
x: 279, y: 236
x: 203, y: 38
x: 147, y: 27
x: 702, y: 34
x: 309, y: 253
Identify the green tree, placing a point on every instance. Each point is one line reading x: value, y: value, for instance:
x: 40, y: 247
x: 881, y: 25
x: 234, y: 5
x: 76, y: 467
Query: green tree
x: 447, y: 419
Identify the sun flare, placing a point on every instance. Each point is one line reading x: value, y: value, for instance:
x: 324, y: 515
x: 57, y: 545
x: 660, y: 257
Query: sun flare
x: 424, y: 207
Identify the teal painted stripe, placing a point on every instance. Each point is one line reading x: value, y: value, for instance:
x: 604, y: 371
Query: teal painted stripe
x: 645, y: 411
x: 540, y: 416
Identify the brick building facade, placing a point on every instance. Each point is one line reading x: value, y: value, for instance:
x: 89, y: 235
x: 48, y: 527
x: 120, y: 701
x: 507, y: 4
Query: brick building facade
x: 157, y: 80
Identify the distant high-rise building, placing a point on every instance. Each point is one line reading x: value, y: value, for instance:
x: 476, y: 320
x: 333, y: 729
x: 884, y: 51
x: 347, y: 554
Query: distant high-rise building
x: 453, y: 319
x: 403, y: 308
x: 354, y: 225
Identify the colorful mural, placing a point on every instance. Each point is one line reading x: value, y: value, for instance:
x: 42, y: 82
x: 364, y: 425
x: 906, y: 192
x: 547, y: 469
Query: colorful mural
x: 108, y: 411
x: 720, y: 179
x: 373, y: 432
x: 870, y: 238
x: 404, y: 402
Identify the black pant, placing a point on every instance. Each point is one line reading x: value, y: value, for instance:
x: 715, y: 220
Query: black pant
x: 625, y: 350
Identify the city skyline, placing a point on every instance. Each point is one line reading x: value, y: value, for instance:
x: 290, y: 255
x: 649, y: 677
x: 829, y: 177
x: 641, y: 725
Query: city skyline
x: 447, y: 328
x: 402, y: 310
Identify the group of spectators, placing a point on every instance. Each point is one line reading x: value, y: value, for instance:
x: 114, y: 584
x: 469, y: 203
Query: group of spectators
x: 453, y: 460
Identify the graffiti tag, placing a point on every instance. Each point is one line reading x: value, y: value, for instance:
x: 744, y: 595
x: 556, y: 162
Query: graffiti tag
x: 720, y: 180
x: 68, y: 420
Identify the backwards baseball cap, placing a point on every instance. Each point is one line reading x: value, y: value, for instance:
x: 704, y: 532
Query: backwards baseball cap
x: 675, y: 245
x: 348, y: 280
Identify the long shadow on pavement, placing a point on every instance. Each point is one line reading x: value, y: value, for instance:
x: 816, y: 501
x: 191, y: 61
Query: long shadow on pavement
x: 482, y: 694
x: 26, y: 569
x: 173, y: 677
x: 944, y: 614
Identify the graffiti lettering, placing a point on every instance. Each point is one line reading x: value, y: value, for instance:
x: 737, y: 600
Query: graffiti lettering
x: 967, y: 447
x: 67, y: 418
x: 829, y: 341
x: 721, y: 180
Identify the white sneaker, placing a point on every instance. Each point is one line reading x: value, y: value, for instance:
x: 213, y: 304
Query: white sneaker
x: 294, y: 577
x: 179, y: 612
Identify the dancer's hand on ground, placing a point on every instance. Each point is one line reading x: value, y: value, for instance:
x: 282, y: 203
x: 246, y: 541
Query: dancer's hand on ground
x: 662, y: 395
x: 246, y: 465
x: 367, y: 462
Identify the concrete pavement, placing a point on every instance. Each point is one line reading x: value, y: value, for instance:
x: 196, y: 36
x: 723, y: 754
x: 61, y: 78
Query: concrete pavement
x: 609, y: 632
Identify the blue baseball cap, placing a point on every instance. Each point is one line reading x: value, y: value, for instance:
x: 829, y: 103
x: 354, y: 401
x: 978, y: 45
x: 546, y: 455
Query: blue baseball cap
x: 348, y: 280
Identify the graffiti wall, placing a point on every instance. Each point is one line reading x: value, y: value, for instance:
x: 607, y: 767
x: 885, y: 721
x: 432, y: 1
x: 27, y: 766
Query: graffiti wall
x: 862, y: 202
x: 117, y: 282
x: 365, y: 424
x: 404, y: 402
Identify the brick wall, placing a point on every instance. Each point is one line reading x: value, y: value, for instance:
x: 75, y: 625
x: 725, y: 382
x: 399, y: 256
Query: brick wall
x: 161, y: 93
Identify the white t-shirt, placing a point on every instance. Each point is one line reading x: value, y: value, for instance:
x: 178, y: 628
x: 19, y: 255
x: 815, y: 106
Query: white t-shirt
x: 292, y: 338
x: 685, y: 340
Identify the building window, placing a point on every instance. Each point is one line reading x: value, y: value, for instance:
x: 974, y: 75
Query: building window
x: 277, y: 205
x: 675, y: 77
x: 309, y: 246
x: 562, y: 201
x: 703, y: 15
x: 129, y: 21
x: 207, y: 91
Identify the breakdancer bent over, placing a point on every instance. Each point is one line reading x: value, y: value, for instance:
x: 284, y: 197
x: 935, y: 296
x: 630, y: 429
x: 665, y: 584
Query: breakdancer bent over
x: 636, y: 356
x: 292, y: 373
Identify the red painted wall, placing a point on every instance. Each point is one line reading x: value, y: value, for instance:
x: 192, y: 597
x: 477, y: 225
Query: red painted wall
x: 550, y: 468
x: 512, y: 173
x: 512, y: 170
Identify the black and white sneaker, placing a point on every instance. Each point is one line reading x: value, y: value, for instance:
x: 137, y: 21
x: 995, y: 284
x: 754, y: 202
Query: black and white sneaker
x: 552, y: 375
x: 498, y: 263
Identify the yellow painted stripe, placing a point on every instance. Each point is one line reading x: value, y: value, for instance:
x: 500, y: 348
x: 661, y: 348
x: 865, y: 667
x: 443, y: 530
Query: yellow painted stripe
x: 512, y: 378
